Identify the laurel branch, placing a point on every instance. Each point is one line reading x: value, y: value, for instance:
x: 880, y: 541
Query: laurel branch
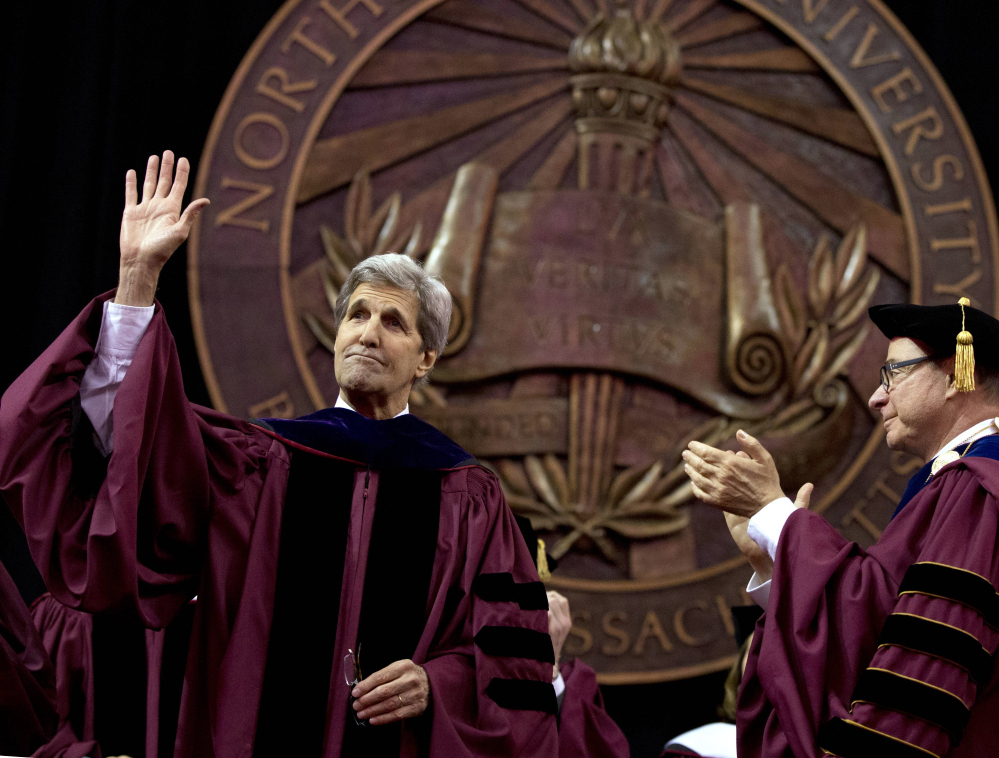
x: 821, y: 335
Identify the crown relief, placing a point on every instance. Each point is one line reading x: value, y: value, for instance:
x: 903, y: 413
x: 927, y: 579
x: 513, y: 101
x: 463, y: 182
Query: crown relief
x: 624, y: 70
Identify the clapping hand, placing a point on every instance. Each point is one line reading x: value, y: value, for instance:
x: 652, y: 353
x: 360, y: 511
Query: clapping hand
x: 153, y: 229
x: 738, y: 527
x: 740, y: 484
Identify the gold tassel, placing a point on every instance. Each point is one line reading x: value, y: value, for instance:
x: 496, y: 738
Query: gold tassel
x: 543, y: 573
x: 964, y: 359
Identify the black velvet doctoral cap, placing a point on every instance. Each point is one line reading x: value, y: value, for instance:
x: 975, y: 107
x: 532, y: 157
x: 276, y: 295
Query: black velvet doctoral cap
x: 938, y: 327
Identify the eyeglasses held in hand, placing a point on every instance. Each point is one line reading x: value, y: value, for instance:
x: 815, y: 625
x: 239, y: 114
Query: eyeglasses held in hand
x: 352, y: 675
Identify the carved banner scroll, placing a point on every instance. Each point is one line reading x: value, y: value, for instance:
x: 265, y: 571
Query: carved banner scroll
x: 613, y: 283
x: 456, y: 250
x: 754, y: 355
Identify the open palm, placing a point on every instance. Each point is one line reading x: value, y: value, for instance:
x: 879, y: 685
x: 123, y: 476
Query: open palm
x: 153, y: 229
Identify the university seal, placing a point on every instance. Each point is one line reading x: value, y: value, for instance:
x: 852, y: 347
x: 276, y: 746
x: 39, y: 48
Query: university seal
x: 659, y: 220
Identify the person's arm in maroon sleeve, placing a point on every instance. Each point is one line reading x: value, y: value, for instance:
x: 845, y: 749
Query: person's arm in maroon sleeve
x: 934, y: 656
x: 863, y: 651
x: 490, y: 673
x: 131, y: 536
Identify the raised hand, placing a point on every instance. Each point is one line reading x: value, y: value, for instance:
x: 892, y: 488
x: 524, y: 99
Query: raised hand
x: 153, y: 229
x: 738, y: 484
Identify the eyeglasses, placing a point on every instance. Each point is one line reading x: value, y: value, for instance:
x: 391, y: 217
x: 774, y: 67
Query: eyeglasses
x: 890, y: 369
x: 352, y: 675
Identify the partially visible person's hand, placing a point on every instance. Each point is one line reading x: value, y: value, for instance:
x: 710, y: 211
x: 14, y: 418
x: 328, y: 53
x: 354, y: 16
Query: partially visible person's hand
x: 739, y: 484
x: 401, y: 690
x: 804, y: 496
x: 153, y: 229
x: 559, y: 624
x: 738, y: 527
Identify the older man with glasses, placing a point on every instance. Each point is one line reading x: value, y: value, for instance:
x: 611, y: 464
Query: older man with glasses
x: 886, y: 651
x: 362, y: 587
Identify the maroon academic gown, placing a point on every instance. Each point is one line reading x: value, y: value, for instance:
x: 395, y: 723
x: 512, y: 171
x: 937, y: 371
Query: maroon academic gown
x: 30, y: 722
x: 585, y: 729
x: 68, y: 638
x: 888, y: 651
x: 191, y: 504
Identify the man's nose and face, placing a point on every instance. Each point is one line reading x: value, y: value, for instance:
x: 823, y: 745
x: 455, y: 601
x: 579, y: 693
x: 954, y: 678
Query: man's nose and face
x: 379, y: 350
x: 911, y: 406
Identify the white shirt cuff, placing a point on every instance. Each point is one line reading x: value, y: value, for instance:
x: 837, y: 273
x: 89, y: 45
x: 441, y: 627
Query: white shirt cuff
x: 122, y: 328
x: 765, y: 527
x: 759, y: 591
x: 559, y: 684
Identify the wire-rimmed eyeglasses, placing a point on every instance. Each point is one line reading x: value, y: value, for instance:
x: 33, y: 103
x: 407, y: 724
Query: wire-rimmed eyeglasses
x: 889, y: 369
x: 352, y: 675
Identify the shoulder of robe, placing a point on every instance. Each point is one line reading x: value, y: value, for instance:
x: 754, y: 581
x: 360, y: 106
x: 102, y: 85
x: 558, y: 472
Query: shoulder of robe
x: 985, y: 470
x: 485, y: 494
x: 248, y: 437
x: 950, y: 483
x: 480, y: 481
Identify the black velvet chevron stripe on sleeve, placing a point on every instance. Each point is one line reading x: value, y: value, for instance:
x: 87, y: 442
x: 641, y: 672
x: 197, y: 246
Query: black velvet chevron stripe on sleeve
x: 848, y: 739
x: 515, y: 642
x: 954, y: 584
x: 895, y: 692
x: 501, y: 588
x: 939, y: 640
x: 523, y: 695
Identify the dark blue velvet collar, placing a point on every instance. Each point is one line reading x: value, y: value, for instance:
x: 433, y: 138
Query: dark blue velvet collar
x: 402, y: 442
x: 986, y: 447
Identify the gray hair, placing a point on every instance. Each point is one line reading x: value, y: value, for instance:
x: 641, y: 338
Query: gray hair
x: 392, y: 269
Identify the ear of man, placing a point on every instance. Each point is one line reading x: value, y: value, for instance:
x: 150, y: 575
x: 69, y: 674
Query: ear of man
x: 426, y: 364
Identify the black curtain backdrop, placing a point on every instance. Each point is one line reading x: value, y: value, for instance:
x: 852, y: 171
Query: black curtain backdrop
x: 90, y: 89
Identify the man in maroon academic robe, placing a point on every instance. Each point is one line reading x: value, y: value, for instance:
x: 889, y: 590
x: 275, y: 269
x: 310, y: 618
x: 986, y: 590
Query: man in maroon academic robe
x: 362, y: 588
x: 887, y: 651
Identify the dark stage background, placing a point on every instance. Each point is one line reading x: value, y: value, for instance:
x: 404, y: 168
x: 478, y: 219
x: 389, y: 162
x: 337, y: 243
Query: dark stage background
x: 90, y: 89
